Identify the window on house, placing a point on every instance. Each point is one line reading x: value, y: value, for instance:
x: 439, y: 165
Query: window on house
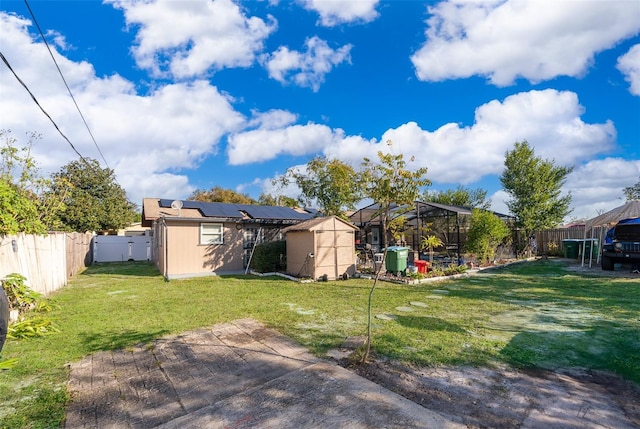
x: 211, y: 233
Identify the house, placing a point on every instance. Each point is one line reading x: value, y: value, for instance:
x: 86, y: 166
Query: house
x: 193, y: 238
x: 321, y: 248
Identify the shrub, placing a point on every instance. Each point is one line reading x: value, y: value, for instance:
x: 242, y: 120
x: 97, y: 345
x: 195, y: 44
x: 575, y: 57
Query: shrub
x: 20, y: 296
x: 554, y: 249
x: 30, y: 328
x: 455, y: 269
x: 486, y: 233
x: 270, y: 256
x: 26, y: 301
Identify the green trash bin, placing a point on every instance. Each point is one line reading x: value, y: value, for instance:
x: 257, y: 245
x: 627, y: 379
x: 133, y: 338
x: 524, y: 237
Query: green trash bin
x: 590, y: 245
x: 396, y: 261
x: 570, y: 248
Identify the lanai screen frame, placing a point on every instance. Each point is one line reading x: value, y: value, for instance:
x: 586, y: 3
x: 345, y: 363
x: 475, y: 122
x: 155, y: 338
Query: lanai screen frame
x: 416, y: 216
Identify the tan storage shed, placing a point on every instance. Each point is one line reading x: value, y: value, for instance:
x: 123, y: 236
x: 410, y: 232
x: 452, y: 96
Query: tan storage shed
x: 321, y: 247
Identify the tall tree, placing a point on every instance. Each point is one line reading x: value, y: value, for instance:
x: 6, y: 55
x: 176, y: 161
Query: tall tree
x: 329, y: 183
x: 535, y: 189
x: 20, y: 183
x: 218, y: 194
x: 632, y: 193
x: 461, y: 196
x: 94, y: 201
x: 389, y: 183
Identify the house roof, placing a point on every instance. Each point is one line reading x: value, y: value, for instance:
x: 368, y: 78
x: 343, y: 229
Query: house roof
x: 317, y: 224
x: 629, y: 210
x: 155, y: 208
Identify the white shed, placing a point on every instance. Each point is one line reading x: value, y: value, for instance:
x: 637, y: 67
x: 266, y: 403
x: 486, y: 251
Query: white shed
x: 321, y: 247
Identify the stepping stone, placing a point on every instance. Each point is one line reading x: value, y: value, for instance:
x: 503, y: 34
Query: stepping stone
x: 354, y: 342
x: 386, y: 316
x: 434, y: 296
x: 418, y: 304
x: 405, y: 309
x: 444, y: 292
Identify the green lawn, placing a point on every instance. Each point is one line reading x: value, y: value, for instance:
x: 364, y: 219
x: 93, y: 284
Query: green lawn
x: 533, y: 314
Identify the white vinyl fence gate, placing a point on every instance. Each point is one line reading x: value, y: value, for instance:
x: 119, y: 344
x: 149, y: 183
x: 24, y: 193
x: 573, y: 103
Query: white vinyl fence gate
x: 118, y: 248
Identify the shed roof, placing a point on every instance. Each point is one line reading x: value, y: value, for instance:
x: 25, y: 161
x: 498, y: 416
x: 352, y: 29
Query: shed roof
x: 317, y: 224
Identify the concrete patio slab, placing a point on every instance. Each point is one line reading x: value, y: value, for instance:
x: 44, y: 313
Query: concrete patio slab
x: 239, y: 374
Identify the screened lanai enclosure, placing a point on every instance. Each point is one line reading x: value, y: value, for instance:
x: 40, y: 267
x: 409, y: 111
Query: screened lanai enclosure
x: 447, y: 222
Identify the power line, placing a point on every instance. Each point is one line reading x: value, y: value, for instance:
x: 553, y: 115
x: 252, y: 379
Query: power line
x: 65, y: 82
x: 41, y: 108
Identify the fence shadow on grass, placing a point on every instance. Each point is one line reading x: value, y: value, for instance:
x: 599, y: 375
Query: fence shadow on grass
x: 131, y: 268
x: 114, y: 340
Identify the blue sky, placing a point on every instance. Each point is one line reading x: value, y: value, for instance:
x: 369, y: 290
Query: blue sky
x: 182, y: 95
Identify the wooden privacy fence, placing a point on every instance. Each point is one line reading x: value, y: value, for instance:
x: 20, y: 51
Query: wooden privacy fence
x: 47, y: 261
x: 550, y: 241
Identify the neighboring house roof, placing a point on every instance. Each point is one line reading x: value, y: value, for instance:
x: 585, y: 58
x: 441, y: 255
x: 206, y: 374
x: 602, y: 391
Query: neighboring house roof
x: 629, y: 210
x: 317, y: 224
x: 155, y: 208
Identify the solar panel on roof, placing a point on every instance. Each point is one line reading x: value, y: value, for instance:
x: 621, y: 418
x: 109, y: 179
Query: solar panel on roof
x: 234, y: 211
x: 220, y: 210
x: 164, y: 203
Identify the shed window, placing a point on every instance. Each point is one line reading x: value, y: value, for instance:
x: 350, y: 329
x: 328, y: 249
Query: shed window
x: 211, y: 233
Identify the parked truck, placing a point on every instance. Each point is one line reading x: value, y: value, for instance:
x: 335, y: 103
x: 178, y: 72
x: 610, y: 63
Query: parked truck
x: 622, y: 244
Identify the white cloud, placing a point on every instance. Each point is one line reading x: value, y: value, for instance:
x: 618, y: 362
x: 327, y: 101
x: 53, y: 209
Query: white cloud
x: 597, y: 186
x: 549, y: 120
x: 498, y: 202
x: 535, y: 40
x: 308, y: 68
x: 273, y: 119
x: 272, y: 185
x: 334, y: 13
x: 629, y: 65
x: 265, y: 144
x: 187, y: 39
x: 146, y: 139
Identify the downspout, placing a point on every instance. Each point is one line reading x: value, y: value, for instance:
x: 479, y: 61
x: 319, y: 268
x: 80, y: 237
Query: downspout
x: 335, y: 248
x: 458, y: 246
x: 165, y: 251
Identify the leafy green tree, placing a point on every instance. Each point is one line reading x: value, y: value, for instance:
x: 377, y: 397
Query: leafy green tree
x: 389, y: 183
x: 218, y: 194
x: 329, y: 183
x: 461, y: 196
x: 20, y: 206
x: 93, y: 200
x: 18, y: 212
x: 535, y: 189
x: 486, y: 233
x: 632, y: 193
x: 397, y: 227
